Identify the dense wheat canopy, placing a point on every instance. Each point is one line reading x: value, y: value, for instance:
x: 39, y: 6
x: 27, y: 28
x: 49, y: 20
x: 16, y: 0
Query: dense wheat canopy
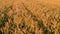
x: 29, y: 16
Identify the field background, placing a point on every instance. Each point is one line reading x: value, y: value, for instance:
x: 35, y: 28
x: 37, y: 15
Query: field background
x: 29, y: 16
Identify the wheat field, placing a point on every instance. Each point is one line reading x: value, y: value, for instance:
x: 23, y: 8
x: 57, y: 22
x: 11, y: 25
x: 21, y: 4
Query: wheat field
x: 29, y: 16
